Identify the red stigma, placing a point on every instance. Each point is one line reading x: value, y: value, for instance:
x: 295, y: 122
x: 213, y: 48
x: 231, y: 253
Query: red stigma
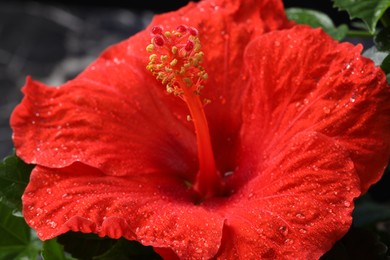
x: 189, y: 45
x: 181, y: 28
x: 193, y: 31
x: 157, y: 30
x: 158, y: 40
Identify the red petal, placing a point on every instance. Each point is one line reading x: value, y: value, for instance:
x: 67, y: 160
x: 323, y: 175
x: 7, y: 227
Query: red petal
x: 112, y: 117
x: 302, y: 80
x: 155, y: 210
x: 296, y: 207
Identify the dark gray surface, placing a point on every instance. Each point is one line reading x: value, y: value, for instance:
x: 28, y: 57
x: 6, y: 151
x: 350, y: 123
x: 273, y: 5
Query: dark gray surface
x: 53, y: 43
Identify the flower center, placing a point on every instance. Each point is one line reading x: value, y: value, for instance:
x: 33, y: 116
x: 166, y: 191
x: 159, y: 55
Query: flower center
x: 175, y: 61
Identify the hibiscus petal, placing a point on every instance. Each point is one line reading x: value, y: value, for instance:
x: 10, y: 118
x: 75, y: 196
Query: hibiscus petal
x: 155, y: 210
x: 111, y: 117
x: 302, y: 80
x: 299, y: 204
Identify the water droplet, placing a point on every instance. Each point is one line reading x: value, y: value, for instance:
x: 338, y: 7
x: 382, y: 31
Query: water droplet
x: 300, y: 216
x: 250, y: 195
x: 302, y: 230
x: 199, y: 250
x: 347, y: 203
x: 48, y: 190
x: 283, y: 230
x: 227, y: 174
x: 352, y: 99
x: 117, y: 61
x: 306, y: 101
x: 67, y: 196
x: 37, y: 114
x: 326, y: 110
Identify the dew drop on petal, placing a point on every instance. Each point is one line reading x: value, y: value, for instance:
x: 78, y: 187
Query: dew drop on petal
x: 283, y: 230
x: 199, y: 250
x: 326, y: 110
x: 302, y: 230
x: 227, y: 174
x: 347, y: 204
x: 67, y: 196
x: 300, y: 216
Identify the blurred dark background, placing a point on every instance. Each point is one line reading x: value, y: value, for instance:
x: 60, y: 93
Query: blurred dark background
x: 54, y: 40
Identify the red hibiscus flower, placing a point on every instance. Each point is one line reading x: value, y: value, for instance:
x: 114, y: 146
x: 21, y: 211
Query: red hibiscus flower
x: 297, y: 128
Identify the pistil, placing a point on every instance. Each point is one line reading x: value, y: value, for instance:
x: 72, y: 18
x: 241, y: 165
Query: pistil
x: 176, y: 62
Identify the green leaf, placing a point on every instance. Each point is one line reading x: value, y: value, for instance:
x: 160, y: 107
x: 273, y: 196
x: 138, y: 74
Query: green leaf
x: 370, y: 11
x: 14, y: 176
x: 358, y: 243
x: 54, y: 251
x: 16, y: 241
x: 385, y: 66
x: 317, y: 19
x: 382, y: 40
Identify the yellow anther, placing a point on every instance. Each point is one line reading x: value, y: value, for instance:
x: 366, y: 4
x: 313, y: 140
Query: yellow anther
x: 167, y: 34
x: 153, y: 57
x: 173, y: 62
x: 174, y: 50
x: 182, y: 71
x: 149, y: 67
x: 168, y: 69
x: 197, y: 46
x: 206, y: 101
x: 163, y: 57
x: 169, y: 89
x: 150, y: 47
x: 160, y: 75
x: 203, y: 75
x: 188, y: 81
x: 165, y: 80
